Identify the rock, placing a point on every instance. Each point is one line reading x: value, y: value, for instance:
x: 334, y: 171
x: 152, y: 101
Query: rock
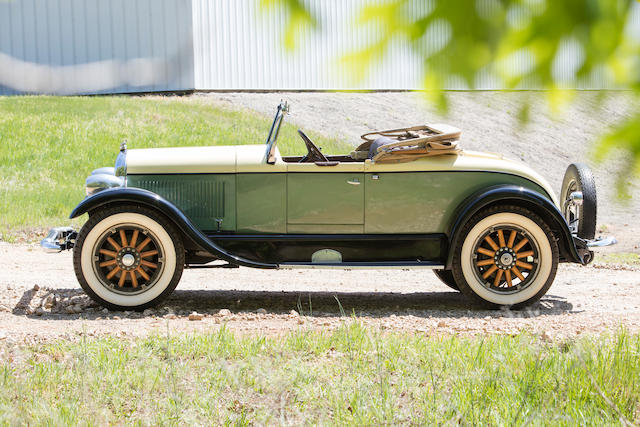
x: 116, y: 317
x: 294, y: 313
x: 300, y: 321
x: 195, y: 316
x: 36, y: 288
x: 170, y: 316
x: 76, y: 299
x: 105, y: 310
x: 487, y: 318
x: 49, y: 301
x: 224, y: 312
x: 69, y: 309
x: 545, y: 336
x: 77, y: 308
x: 39, y: 311
x: 261, y: 311
x: 147, y: 312
x: 442, y: 324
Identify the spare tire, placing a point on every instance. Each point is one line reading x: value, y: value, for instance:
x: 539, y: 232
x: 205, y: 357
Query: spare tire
x: 581, y: 218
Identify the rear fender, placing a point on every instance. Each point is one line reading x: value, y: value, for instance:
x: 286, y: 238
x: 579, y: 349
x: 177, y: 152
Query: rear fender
x: 526, y: 198
x: 151, y: 200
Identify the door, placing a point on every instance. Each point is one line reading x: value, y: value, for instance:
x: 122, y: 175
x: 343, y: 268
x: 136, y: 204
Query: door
x: 325, y: 199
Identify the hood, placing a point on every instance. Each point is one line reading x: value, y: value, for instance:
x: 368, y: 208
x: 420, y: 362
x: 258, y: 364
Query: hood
x: 218, y: 159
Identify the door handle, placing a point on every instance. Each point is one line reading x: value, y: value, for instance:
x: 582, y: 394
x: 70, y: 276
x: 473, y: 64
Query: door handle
x: 354, y: 181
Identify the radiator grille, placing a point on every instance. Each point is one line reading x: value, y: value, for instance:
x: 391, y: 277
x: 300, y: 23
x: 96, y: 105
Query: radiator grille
x: 202, y: 200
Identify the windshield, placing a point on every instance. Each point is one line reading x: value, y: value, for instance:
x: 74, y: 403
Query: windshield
x: 272, y: 139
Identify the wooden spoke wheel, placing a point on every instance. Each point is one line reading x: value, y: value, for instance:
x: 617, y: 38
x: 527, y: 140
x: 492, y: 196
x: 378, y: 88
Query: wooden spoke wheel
x: 506, y: 258
x: 128, y: 258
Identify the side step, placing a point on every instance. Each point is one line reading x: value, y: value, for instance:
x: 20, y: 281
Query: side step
x: 363, y: 265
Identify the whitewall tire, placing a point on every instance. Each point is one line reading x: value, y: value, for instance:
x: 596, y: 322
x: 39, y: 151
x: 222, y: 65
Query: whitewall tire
x: 128, y: 258
x: 507, y: 256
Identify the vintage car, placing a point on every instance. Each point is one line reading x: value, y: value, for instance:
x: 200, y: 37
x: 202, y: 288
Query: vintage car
x: 489, y: 227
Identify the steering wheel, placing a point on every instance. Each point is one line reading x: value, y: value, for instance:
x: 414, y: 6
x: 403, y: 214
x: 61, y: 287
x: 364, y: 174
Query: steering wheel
x: 313, y: 153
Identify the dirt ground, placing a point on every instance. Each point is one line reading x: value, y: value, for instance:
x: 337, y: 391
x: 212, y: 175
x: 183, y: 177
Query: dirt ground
x: 40, y: 300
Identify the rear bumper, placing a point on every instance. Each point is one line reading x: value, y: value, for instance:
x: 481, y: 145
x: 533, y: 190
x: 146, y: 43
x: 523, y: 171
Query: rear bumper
x: 586, y: 248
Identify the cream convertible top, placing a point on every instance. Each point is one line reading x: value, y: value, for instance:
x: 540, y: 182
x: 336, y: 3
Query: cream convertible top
x: 410, y: 143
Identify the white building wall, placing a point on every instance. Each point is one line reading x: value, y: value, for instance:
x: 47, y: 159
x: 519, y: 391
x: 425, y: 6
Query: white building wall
x: 95, y: 46
x: 239, y: 45
x: 119, y: 46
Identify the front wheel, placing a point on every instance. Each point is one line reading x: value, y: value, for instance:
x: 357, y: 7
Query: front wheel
x: 508, y: 256
x: 128, y: 258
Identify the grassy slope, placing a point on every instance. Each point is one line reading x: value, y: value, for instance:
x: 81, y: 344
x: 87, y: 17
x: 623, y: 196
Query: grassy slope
x: 48, y: 145
x: 353, y: 375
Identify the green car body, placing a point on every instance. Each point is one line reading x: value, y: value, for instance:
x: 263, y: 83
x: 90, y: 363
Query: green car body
x: 250, y: 206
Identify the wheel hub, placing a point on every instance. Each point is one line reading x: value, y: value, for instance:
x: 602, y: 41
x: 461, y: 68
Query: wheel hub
x: 128, y: 258
x: 503, y: 255
x: 505, y: 258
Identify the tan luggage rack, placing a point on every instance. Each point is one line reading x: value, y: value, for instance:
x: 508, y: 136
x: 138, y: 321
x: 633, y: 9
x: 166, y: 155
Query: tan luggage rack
x: 410, y: 143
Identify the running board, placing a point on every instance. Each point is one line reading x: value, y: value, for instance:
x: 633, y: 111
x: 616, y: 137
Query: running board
x: 363, y: 265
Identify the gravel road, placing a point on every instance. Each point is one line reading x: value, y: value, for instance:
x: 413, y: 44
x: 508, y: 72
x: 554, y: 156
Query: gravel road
x: 40, y: 300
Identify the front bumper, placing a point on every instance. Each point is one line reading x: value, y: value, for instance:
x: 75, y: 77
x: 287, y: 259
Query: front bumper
x: 59, y: 239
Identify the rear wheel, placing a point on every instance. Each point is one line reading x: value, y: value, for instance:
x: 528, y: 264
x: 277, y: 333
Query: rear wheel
x: 446, y: 276
x: 507, y: 257
x: 128, y: 258
x: 580, y: 214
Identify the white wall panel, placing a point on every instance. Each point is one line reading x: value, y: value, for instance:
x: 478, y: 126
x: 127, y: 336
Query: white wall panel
x: 114, y: 46
x: 95, y: 46
x: 239, y: 46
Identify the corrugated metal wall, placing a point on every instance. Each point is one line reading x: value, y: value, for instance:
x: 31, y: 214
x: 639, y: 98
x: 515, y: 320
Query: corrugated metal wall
x: 95, y: 46
x: 114, y: 46
x: 238, y: 45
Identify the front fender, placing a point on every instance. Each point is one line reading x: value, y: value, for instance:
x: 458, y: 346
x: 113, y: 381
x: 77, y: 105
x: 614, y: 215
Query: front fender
x: 520, y: 196
x: 154, y: 201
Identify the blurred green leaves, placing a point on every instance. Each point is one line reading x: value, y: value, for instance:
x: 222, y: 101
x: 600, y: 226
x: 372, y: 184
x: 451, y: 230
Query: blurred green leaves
x: 555, y: 45
x: 297, y: 19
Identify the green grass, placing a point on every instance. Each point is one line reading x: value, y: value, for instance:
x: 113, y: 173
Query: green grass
x: 354, y: 375
x: 48, y: 145
x: 626, y: 258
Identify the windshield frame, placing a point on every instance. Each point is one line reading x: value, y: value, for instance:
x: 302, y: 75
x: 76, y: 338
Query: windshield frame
x: 272, y: 139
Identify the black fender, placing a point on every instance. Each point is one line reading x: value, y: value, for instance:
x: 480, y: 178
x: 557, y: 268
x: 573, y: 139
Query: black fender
x: 154, y: 201
x: 526, y: 198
